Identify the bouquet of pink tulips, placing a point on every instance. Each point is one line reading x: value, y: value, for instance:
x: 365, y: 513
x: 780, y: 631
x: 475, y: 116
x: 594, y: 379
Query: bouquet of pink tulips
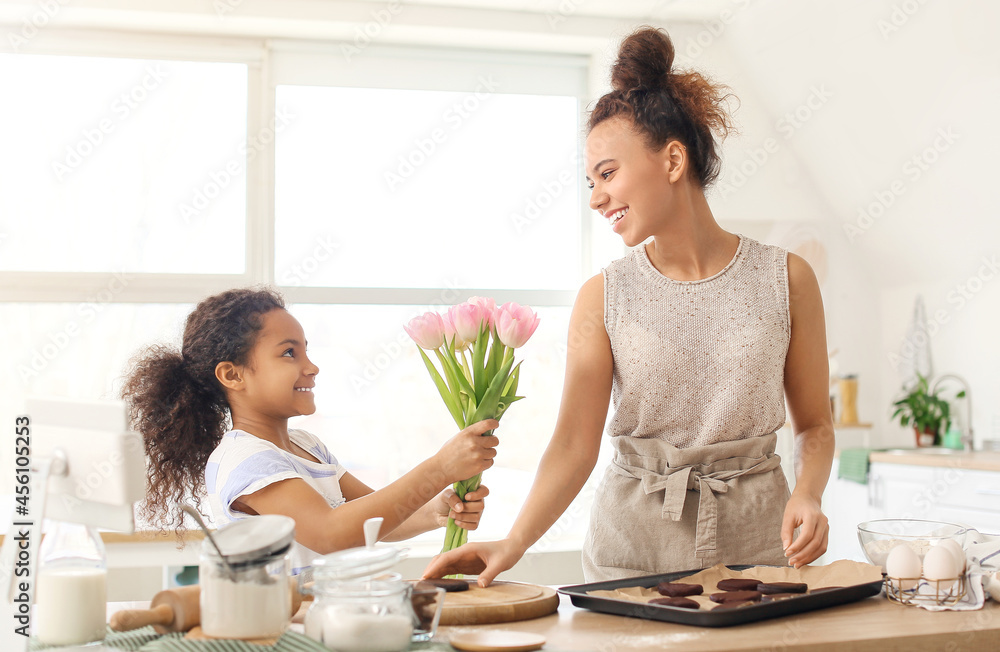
x: 474, y: 343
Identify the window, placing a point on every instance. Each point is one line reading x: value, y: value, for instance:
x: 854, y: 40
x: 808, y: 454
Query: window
x: 122, y: 165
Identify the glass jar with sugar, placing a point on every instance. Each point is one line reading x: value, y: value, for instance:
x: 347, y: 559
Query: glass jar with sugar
x: 359, y: 605
x: 245, y: 592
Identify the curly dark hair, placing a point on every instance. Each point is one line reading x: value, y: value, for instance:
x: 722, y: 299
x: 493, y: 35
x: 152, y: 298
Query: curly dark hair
x: 664, y: 104
x: 179, y: 407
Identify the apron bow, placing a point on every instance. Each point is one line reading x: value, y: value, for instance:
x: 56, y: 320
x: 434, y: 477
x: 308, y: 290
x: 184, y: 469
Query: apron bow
x: 675, y: 482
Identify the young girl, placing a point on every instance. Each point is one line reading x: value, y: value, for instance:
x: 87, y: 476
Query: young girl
x: 698, y: 336
x: 244, y: 359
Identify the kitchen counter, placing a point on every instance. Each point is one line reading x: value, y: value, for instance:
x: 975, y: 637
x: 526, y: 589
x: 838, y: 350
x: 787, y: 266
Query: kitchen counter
x: 871, y: 625
x: 874, y: 624
x: 978, y: 460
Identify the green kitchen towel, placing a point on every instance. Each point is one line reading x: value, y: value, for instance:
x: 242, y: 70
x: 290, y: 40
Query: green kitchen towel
x: 131, y: 641
x: 854, y: 464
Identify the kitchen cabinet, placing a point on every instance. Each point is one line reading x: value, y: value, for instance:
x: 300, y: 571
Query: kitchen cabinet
x: 969, y: 497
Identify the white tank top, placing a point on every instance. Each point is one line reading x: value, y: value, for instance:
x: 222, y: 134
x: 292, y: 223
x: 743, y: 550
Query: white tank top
x: 699, y: 362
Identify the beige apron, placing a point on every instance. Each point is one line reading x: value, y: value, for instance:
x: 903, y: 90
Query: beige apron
x: 661, y: 509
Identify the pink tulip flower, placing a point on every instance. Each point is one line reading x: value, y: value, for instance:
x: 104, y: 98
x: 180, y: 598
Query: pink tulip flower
x: 467, y: 319
x: 427, y: 330
x: 515, y: 324
x: 451, y: 334
x: 488, y: 306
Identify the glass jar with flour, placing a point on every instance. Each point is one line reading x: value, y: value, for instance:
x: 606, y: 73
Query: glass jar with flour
x: 245, y: 591
x: 359, y: 605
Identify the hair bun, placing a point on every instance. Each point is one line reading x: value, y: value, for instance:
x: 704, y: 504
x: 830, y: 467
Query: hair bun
x: 644, y: 61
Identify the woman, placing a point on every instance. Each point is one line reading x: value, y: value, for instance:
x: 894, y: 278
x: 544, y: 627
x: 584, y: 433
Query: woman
x: 697, y: 336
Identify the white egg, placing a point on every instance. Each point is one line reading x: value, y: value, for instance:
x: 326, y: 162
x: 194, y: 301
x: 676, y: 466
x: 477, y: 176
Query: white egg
x: 956, y: 551
x: 940, y: 564
x: 903, y: 564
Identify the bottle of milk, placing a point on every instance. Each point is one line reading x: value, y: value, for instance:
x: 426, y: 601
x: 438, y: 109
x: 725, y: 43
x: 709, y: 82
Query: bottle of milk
x: 71, y: 590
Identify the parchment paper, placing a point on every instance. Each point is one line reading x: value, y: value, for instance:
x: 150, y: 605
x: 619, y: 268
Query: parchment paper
x: 843, y: 572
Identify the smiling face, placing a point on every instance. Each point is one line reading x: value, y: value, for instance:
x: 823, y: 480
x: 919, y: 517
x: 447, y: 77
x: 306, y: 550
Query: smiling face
x: 632, y: 186
x: 278, y: 380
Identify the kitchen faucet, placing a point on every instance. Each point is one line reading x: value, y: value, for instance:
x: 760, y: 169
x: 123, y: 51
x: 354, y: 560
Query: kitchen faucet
x: 968, y: 440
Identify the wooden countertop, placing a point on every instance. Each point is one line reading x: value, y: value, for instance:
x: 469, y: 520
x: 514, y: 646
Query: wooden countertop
x: 979, y: 460
x: 872, y: 625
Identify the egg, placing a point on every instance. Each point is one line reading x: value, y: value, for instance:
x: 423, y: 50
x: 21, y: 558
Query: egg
x: 956, y: 551
x: 940, y: 564
x: 904, y: 565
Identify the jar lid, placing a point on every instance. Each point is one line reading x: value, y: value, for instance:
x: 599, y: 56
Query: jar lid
x: 253, y: 538
x: 355, y: 563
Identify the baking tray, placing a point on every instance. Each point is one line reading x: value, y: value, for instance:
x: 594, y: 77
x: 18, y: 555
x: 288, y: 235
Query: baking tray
x: 709, y: 618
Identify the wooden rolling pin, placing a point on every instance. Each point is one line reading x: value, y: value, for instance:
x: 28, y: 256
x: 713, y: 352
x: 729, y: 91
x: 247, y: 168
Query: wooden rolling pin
x: 176, y: 610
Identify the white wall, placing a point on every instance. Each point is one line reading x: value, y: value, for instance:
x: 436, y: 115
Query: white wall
x: 895, y: 82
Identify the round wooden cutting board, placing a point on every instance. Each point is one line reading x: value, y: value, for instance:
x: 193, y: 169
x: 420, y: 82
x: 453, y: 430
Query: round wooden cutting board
x: 500, y: 602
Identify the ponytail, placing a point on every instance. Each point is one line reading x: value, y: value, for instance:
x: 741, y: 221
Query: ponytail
x: 179, y: 407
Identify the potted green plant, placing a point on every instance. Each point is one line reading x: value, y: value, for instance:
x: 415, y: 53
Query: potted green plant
x: 929, y: 414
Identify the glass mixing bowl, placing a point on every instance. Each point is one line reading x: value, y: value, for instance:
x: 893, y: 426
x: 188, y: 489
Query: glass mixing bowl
x: 880, y: 536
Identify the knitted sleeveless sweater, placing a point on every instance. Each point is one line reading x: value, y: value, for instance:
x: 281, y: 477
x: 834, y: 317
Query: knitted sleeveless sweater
x: 698, y: 362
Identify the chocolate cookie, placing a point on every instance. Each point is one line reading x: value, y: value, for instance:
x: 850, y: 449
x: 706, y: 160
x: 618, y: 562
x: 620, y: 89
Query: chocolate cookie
x: 737, y: 584
x: 675, y: 602
x: 782, y: 587
x: 678, y: 590
x: 736, y: 596
x: 450, y: 586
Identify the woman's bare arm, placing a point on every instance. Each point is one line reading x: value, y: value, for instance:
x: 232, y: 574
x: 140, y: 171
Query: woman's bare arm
x: 807, y: 374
